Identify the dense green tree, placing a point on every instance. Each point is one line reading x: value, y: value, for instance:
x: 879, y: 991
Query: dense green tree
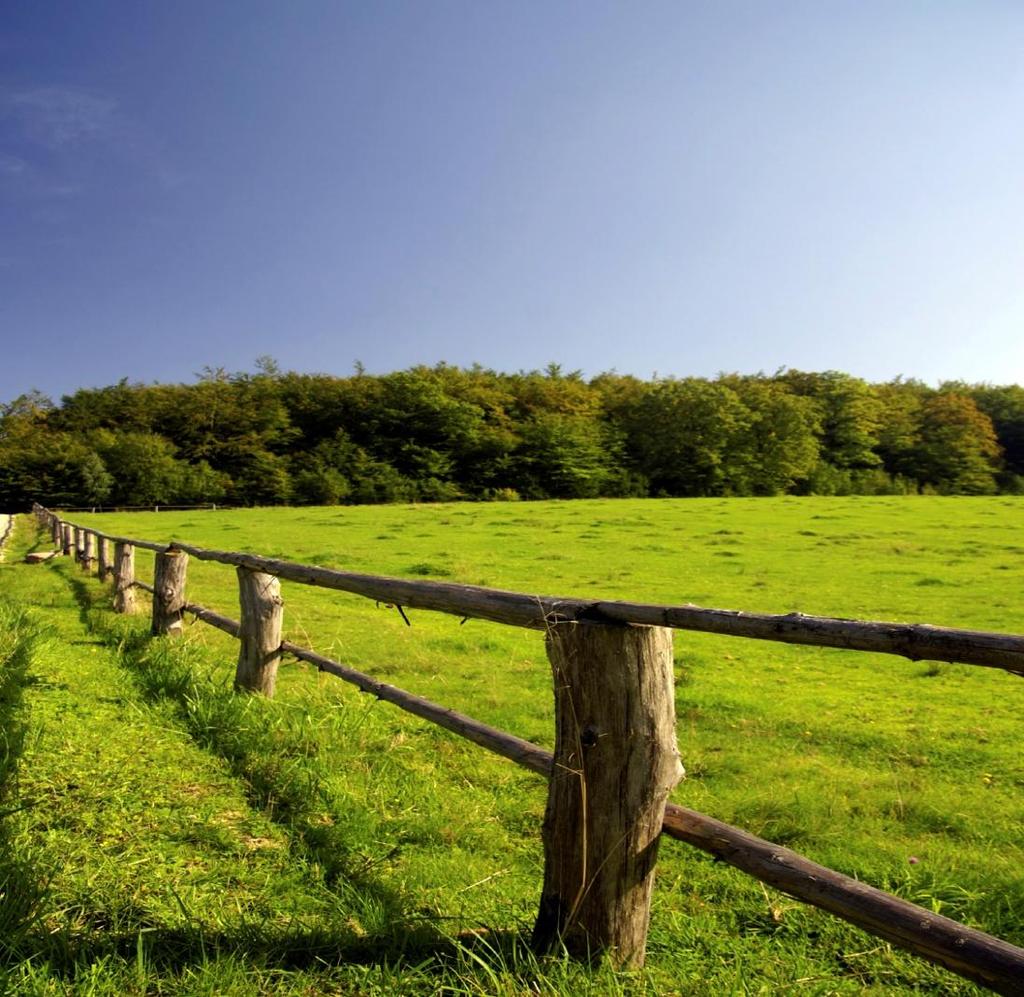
x: 41, y: 464
x: 958, y: 451
x: 562, y: 456
x: 416, y: 427
x: 201, y: 484
x: 26, y: 411
x: 442, y: 432
x: 142, y: 466
x: 257, y: 476
x: 779, y: 445
x: 899, y: 431
x: 551, y: 390
x: 1004, y: 405
x: 684, y: 436
x: 122, y: 406
x: 849, y: 416
x: 56, y: 469
x: 319, y: 486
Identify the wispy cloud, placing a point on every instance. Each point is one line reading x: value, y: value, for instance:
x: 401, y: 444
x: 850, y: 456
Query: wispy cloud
x: 64, y: 140
x: 21, y: 178
x: 12, y: 166
x: 57, y: 116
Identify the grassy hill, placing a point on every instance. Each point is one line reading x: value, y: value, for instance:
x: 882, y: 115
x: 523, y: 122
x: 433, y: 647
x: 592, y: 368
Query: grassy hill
x: 181, y: 839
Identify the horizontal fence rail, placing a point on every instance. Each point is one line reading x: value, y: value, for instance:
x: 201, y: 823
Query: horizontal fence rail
x: 968, y: 952
x: 916, y: 641
x: 158, y: 507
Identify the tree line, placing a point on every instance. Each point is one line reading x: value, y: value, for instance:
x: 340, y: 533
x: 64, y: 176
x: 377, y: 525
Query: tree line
x: 444, y: 432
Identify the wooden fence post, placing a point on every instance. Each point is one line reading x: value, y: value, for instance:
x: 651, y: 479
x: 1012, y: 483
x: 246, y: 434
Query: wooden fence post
x: 105, y: 568
x: 169, y: 592
x: 67, y: 540
x: 259, y: 654
x: 124, y: 578
x: 55, y: 531
x: 88, y: 550
x: 616, y: 761
x: 79, y: 544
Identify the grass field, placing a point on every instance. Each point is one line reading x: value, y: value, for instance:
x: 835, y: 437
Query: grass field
x: 181, y: 839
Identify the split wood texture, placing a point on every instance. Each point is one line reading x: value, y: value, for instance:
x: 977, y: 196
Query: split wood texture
x: 169, y: 592
x: 88, y: 550
x: 124, y: 577
x: 259, y: 653
x: 616, y: 761
x: 105, y: 568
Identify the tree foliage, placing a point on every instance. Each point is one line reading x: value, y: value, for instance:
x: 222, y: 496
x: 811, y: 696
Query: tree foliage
x: 444, y: 432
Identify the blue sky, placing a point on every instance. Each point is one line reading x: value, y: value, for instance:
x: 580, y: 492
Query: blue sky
x: 680, y: 188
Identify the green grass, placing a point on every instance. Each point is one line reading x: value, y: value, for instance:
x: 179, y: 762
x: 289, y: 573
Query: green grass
x: 326, y: 842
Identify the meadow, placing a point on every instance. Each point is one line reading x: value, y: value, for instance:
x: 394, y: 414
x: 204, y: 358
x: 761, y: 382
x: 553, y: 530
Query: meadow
x: 183, y: 839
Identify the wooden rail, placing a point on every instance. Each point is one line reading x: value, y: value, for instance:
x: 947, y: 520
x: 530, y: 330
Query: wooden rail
x: 978, y: 956
x: 916, y: 641
x: 969, y: 953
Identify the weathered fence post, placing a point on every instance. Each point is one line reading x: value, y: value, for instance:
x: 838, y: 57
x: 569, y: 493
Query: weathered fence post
x: 105, y: 568
x: 55, y: 531
x: 259, y: 595
x: 79, y: 544
x: 88, y: 550
x: 124, y: 578
x: 616, y: 761
x: 67, y: 540
x: 169, y: 592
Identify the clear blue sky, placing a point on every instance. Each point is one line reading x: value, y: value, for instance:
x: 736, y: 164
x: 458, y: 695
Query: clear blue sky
x: 673, y: 187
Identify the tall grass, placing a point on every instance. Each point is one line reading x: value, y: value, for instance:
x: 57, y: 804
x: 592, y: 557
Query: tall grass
x: 21, y: 888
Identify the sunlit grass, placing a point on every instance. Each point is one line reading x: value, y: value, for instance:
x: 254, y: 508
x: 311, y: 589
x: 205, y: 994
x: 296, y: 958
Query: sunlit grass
x: 380, y: 828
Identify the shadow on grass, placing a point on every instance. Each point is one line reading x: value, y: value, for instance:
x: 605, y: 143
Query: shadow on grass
x: 21, y: 887
x: 88, y: 598
x: 277, y: 765
x: 171, y: 951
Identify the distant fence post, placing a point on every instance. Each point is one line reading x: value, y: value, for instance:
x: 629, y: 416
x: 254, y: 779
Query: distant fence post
x: 259, y: 595
x: 615, y: 763
x: 169, y: 592
x: 124, y: 577
x: 105, y: 568
x: 88, y: 550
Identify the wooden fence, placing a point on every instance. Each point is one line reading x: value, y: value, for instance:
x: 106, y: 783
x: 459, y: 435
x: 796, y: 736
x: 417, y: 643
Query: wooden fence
x: 154, y: 507
x: 615, y: 759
